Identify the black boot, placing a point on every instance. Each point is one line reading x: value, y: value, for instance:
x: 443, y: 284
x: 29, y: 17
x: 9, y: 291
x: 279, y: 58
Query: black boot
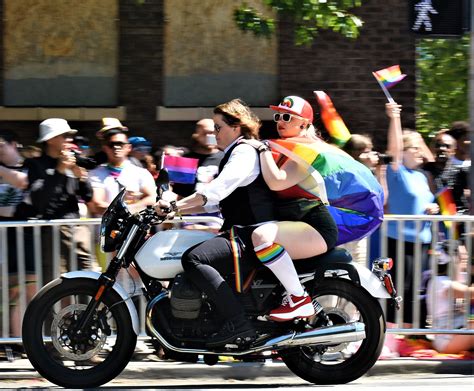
x: 237, y: 330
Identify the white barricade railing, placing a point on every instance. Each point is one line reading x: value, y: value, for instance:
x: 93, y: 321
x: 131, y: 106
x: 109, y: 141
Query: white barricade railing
x: 35, y: 246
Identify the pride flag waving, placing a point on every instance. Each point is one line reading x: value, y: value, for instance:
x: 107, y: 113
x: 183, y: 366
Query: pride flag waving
x: 333, y: 122
x: 387, y: 78
x: 354, y: 195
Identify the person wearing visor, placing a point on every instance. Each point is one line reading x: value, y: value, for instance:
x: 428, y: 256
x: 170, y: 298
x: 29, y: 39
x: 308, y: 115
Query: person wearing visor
x: 293, y: 236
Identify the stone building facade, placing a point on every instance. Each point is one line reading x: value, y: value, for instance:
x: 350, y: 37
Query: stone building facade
x: 339, y: 66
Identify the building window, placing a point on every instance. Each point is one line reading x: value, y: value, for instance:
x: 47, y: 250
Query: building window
x: 60, y: 52
x: 208, y: 60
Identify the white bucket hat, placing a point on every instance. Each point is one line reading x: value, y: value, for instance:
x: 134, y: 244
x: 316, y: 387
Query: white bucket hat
x: 53, y: 127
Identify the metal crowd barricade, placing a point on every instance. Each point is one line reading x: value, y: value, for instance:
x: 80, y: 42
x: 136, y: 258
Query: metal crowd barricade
x: 468, y: 222
x: 124, y: 280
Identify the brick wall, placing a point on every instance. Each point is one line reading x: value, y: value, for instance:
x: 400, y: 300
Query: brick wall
x: 335, y: 64
x: 343, y: 67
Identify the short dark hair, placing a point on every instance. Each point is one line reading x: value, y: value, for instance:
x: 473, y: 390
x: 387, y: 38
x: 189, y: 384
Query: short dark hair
x: 8, y: 136
x: 459, y: 129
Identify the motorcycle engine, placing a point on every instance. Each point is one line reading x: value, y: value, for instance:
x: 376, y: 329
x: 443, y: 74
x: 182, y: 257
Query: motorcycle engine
x: 186, y: 299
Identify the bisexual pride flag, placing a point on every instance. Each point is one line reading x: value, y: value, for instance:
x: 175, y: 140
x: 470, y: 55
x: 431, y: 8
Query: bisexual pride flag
x: 181, y: 169
x: 354, y: 196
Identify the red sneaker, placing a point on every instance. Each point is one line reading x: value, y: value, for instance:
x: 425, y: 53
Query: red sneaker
x: 293, y: 307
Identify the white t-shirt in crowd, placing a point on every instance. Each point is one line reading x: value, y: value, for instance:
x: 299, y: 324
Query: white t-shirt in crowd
x: 132, y: 177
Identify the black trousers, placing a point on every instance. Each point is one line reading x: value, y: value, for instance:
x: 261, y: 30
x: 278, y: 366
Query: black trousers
x: 207, y: 262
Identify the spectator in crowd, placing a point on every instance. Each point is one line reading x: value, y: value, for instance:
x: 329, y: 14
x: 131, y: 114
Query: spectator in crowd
x: 442, y: 170
x: 460, y: 130
x: 30, y: 151
x: 56, y: 184
x: 204, y: 149
x: 445, y: 297
x: 13, y: 185
x: 108, y: 179
x: 409, y: 194
x: 141, y: 148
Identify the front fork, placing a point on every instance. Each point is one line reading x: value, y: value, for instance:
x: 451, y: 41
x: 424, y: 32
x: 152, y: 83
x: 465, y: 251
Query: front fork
x: 106, y: 281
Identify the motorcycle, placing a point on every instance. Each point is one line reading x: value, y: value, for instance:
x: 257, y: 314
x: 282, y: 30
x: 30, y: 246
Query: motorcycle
x: 80, y: 330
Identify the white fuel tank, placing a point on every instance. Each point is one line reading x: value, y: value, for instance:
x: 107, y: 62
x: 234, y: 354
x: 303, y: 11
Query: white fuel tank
x: 160, y: 256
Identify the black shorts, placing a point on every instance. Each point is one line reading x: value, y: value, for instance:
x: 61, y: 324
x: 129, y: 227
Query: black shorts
x: 321, y: 220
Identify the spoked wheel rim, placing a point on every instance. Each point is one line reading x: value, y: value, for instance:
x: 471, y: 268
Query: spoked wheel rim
x: 85, y: 349
x: 340, y: 310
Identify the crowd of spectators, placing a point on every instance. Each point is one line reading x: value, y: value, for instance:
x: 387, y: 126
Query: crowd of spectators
x: 62, y: 177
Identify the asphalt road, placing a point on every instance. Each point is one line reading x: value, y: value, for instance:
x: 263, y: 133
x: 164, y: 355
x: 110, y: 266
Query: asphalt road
x: 149, y: 374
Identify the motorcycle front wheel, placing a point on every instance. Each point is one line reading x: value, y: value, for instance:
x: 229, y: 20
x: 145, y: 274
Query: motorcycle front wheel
x: 87, y: 359
x: 343, y: 302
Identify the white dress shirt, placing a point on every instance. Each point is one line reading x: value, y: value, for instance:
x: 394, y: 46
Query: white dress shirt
x: 241, y: 169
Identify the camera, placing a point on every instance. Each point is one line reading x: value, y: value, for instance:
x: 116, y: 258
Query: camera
x: 89, y: 163
x: 384, y: 158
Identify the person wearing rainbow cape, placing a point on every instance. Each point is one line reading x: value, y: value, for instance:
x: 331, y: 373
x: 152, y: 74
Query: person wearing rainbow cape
x: 308, y: 175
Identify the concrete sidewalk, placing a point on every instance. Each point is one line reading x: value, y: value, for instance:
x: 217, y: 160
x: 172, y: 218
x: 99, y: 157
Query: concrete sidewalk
x: 152, y: 367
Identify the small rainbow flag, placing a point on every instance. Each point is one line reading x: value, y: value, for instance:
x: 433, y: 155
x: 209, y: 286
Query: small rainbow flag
x: 446, y: 203
x: 332, y: 120
x: 181, y: 169
x: 389, y: 76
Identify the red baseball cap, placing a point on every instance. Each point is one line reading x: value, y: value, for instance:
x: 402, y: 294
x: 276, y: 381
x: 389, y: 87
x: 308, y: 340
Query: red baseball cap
x: 295, y: 105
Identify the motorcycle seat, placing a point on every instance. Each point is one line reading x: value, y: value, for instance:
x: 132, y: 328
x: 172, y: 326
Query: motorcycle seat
x: 336, y: 255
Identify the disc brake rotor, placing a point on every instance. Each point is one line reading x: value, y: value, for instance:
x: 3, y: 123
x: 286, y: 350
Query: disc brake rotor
x: 76, y: 348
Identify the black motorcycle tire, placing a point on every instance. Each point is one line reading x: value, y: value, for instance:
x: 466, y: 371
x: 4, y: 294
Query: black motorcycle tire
x: 53, y: 371
x: 362, y: 360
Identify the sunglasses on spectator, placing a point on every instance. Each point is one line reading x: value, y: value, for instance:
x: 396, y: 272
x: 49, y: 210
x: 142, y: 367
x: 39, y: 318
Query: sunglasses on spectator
x: 118, y: 144
x: 441, y: 145
x: 285, y: 117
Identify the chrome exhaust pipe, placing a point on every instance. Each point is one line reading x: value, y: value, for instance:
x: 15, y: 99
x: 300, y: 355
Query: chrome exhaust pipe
x: 329, y: 335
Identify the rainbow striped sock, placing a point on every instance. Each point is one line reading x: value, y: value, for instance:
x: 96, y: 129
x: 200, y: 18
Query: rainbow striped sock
x: 268, y: 253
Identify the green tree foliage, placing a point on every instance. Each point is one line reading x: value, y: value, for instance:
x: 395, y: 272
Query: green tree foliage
x: 442, y: 83
x: 309, y: 16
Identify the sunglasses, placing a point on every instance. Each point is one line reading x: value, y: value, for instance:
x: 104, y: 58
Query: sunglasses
x: 118, y: 144
x: 441, y: 145
x: 285, y: 117
x: 217, y: 128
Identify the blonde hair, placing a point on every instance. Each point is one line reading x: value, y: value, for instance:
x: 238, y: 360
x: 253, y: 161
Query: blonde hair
x: 237, y: 113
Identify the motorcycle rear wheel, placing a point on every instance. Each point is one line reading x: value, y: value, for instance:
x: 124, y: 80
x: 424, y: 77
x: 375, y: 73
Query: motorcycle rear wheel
x: 88, y: 361
x: 343, y: 302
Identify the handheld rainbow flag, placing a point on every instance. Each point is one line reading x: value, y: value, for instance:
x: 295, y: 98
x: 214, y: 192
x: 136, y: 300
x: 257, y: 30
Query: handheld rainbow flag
x: 447, y: 206
x: 387, y: 78
x: 332, y: 120
x: 354, y: 195
x: 181, y: 169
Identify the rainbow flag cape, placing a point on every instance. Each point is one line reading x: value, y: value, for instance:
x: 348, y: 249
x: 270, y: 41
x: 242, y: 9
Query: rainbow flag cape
x: 354, y: 195
x: 181, y: 169
x: 389, y: 76
x: 332, y: 120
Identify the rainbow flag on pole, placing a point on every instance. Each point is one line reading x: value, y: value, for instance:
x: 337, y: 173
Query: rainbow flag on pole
x: 387, y: 78
x: 333, y: 122
x: 390, y: 76
x: 181, y: 169
x: 446, y: 203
